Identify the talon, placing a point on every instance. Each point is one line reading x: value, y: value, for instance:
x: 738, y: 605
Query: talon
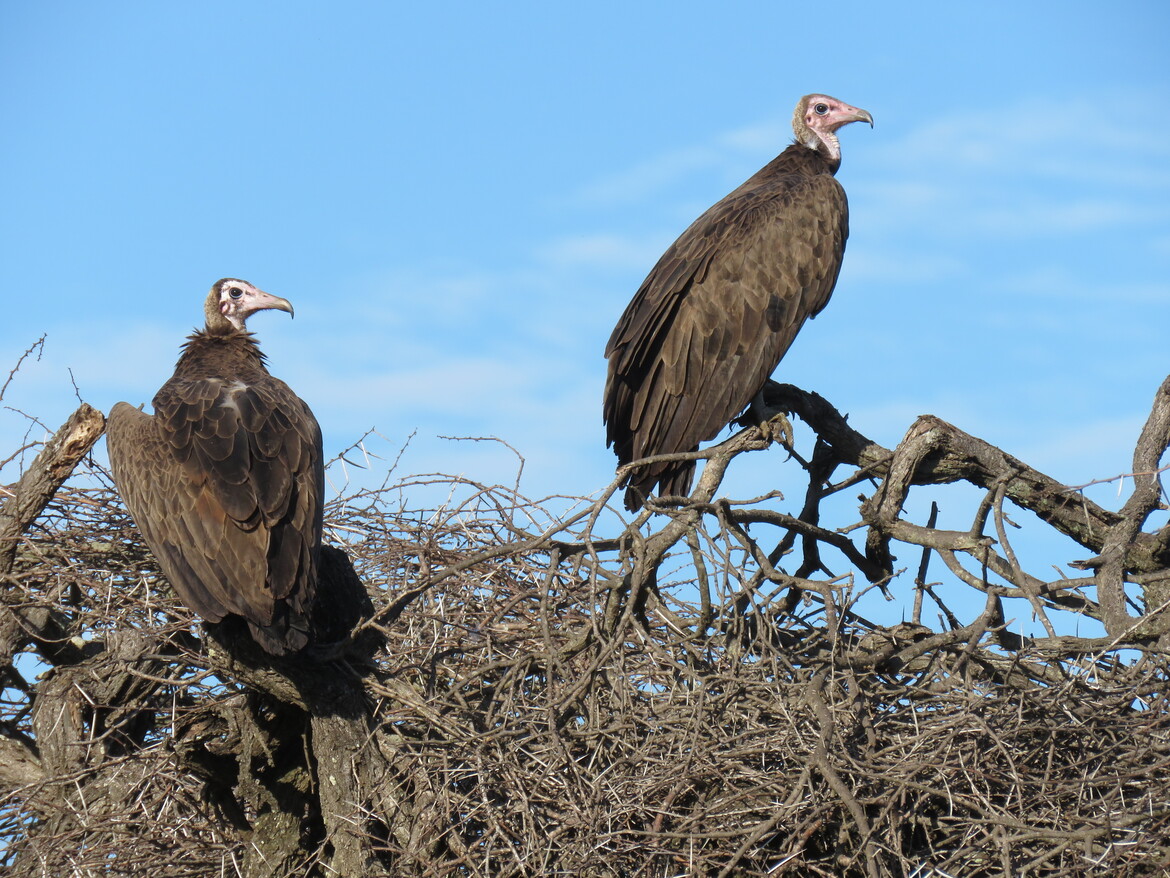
x: 773, y: 424
x: 778, y: 428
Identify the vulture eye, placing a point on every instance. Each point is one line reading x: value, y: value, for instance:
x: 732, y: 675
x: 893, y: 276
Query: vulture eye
x: 821, y: 109
x: 235, y: 292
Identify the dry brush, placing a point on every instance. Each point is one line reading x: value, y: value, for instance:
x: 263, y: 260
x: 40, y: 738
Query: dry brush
x: 527, y: 693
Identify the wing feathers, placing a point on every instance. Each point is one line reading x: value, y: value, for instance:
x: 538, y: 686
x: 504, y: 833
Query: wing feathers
x: 226, y: 482
x: 717, y: 313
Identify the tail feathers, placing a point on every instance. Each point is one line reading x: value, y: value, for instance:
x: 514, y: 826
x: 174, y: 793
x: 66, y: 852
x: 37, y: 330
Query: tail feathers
x: 285, y: 635
x: 672, y: 480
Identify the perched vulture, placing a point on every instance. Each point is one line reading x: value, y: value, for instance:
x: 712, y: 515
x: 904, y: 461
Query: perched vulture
x: 226, y: 480
x: 715, y: 315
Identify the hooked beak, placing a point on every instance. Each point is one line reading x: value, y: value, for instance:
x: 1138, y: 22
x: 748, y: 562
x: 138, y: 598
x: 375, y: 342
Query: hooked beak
x: 854, y: 114
x: 263, y: 301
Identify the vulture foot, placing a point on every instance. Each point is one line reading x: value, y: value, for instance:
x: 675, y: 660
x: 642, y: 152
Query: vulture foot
x: 773, y: 423
x: 777, y: 428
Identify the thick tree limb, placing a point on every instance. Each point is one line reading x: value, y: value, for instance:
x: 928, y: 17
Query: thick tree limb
x: 24, y: 502
x: 939, y: 453
x: 1114, y: 560
x: 48, y: 472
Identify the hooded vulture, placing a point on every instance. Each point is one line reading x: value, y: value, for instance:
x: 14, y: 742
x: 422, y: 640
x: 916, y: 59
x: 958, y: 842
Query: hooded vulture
x: 716, y: 314
x: 226, y: 480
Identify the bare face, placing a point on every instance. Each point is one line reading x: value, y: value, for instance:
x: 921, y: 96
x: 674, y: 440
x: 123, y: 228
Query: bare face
x: 826, y: 114
x: 235, y: 300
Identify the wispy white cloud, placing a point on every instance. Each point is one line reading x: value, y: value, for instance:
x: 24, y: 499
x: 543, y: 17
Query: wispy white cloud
x: 723, y: 156
x: 870, y: 264
x: 1007, y: 172
x: 760, y: 137
x: 1063, y: 215
x: 1078, y: 139
x: 601, y: 251
x: 646, y: 178
x: 1060, y: 282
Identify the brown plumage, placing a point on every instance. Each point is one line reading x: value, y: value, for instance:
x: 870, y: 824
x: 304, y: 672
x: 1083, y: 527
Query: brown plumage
x: 717, y: 313
x: 226, y: 479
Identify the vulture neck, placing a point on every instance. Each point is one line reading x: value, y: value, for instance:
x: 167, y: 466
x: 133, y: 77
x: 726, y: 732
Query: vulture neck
x: 828, y: 151
x: 823, y: 142
x: 797, y: 159
x: 219, y: 353
x: 829, y: 148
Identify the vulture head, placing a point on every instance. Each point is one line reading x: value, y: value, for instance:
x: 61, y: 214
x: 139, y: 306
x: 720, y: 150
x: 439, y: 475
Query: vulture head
x: 232, y: 301
x: 817, y: 118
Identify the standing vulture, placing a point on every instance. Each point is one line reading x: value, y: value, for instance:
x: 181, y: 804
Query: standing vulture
x: 226, y: 480
x: 716, y: 314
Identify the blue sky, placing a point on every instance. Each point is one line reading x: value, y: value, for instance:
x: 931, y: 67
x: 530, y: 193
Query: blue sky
x: 460, y: 199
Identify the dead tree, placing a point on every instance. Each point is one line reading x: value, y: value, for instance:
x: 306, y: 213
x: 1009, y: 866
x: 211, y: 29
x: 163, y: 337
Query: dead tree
x: 517, y: 692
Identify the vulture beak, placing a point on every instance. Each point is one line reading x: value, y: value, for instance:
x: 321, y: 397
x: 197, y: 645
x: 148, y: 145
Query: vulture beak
x: 263, y: 301
x: 853, y: 114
